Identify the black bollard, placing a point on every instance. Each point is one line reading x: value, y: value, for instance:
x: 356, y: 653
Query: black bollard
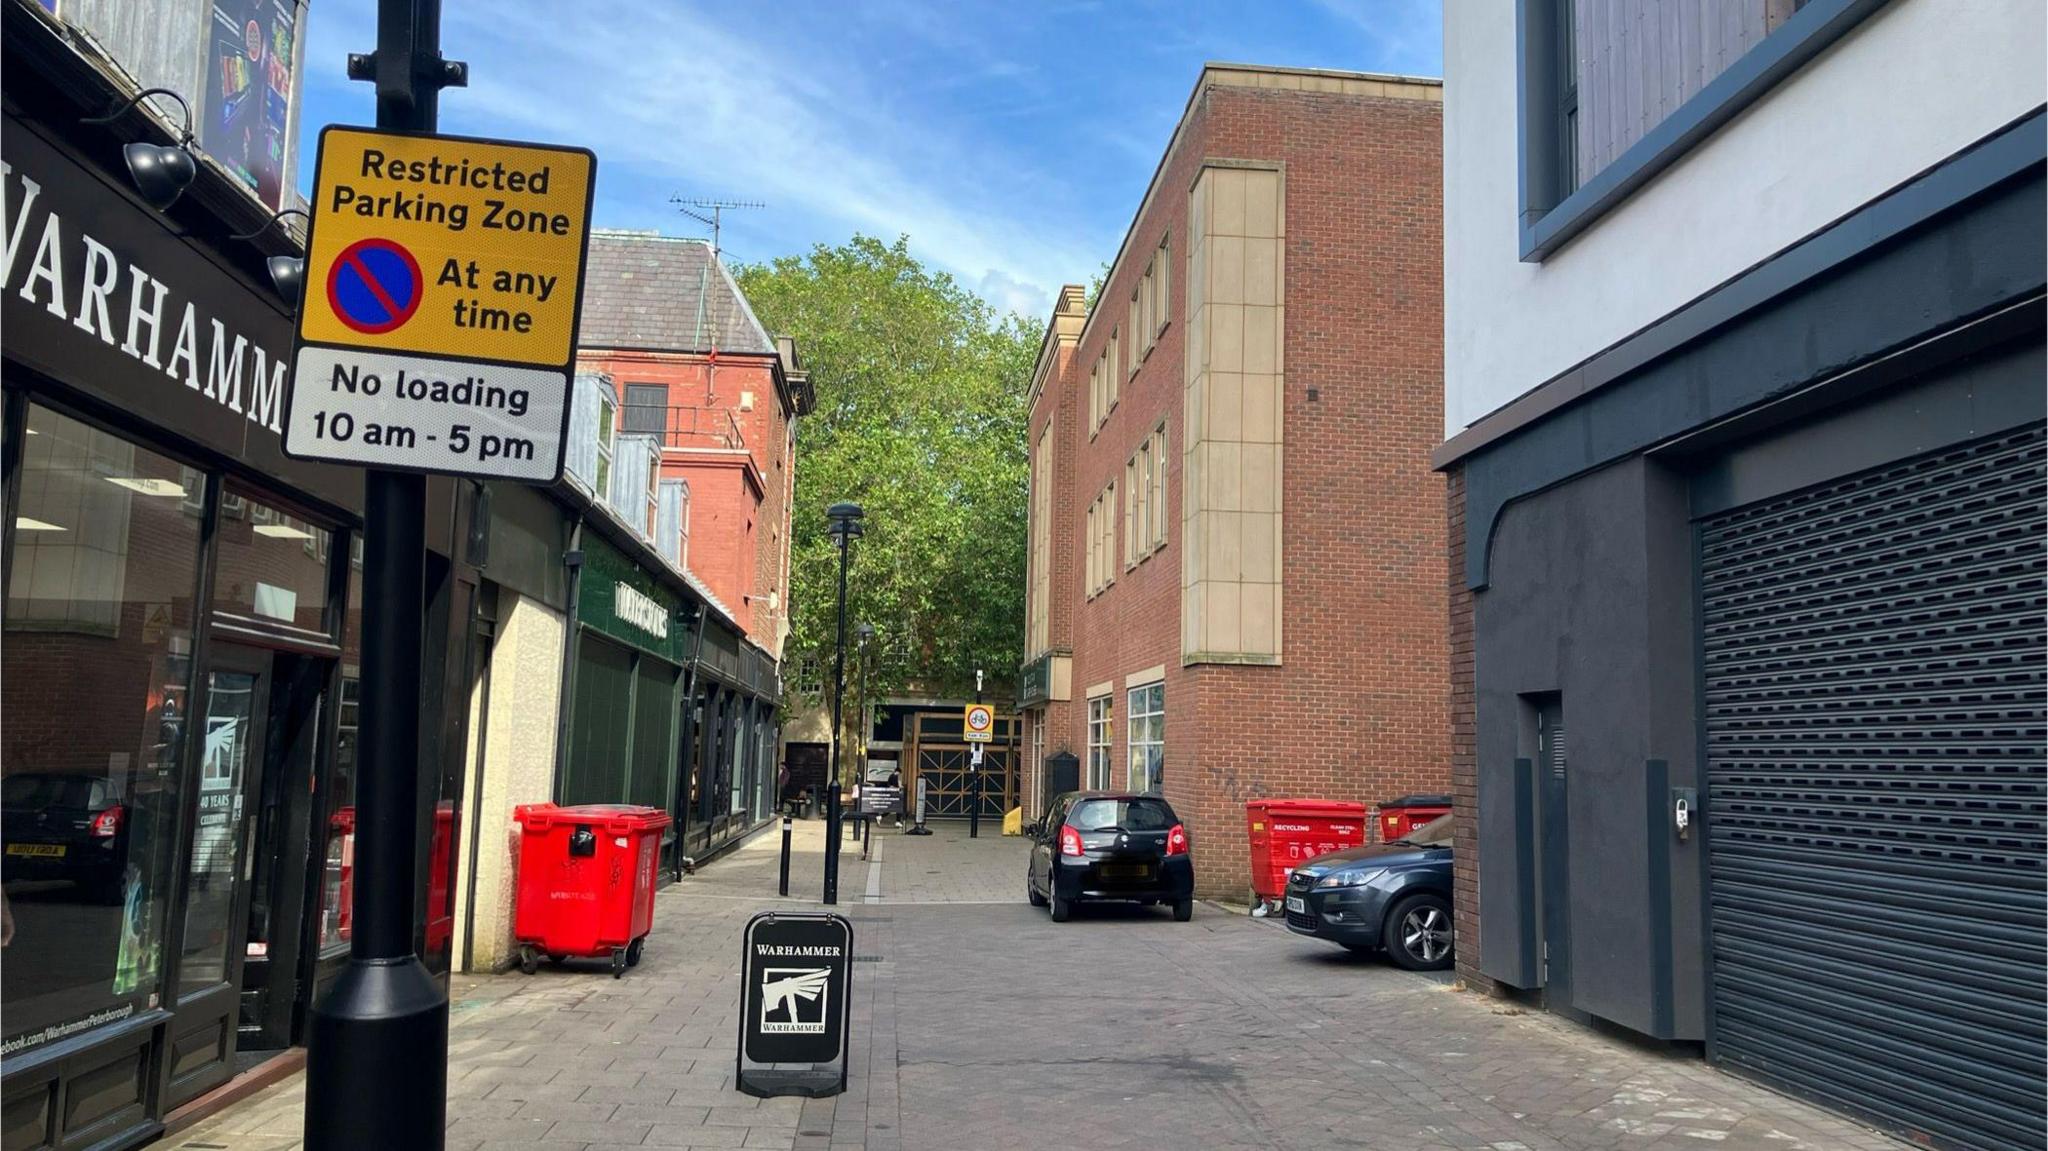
x: 782, y: 888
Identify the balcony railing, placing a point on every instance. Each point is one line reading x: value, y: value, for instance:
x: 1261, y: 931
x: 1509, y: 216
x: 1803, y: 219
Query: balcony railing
x: 686, y: 427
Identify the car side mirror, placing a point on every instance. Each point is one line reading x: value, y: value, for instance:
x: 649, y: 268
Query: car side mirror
x: 1036, y: 829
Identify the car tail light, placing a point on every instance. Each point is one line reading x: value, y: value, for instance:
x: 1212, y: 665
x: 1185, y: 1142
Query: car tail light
x: 107, y: 824
x: 1070, y: 841
x: 1177, y: 840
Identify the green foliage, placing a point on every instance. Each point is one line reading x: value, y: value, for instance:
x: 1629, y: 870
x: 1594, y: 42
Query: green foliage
x: 921, y: 392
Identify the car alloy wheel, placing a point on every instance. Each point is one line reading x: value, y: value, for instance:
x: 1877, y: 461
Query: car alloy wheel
x: 1426, y: 934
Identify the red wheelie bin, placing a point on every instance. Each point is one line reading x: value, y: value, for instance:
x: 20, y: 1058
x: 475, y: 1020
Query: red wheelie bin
x: 1286, y: 833
x: 1398, y: 817
x: 586, y: 882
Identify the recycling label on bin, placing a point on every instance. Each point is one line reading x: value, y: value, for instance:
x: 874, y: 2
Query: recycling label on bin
x: 796, y: 976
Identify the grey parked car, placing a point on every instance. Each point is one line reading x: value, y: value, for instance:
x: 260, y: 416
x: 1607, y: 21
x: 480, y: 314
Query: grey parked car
x: 1392, y: 897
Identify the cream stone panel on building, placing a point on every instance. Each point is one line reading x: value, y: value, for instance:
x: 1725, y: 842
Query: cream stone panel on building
x: 1233, y: 380
x: 518, y: 767
x: 1039, y: 612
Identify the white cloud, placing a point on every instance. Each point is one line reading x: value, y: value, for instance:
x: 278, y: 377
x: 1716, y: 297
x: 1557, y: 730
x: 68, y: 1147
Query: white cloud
x: 672, y: 99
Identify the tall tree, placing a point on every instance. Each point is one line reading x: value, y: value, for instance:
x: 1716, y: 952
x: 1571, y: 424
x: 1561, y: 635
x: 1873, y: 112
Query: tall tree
x: 921, y: 419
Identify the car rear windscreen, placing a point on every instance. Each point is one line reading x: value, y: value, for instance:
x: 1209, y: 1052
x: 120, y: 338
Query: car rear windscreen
x: 1128, y: 814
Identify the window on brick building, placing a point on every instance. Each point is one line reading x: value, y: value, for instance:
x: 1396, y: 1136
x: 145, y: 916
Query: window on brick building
x: 1094, y: 397
x: 1133, y: 512
x: 646, y: 411
x: 1147, y: 724
x: 1099, y: 717
x: 1145, y: 483
x: 1115, y: 373
x: 1162, y: 294
x: 1158, y: 488
x: 1141, y: 333
x: 1101, y: 522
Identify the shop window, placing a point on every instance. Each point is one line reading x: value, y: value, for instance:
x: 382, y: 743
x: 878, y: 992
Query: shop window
x: 653, y: 732
x: 338, y: 830
x: 1099, y: 716
x: 1147, y: 719
x: 271, y: 571
x: 95, y: 671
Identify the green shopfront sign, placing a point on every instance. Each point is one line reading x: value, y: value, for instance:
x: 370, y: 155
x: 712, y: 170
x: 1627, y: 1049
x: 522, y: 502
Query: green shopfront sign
x: 623, y: 600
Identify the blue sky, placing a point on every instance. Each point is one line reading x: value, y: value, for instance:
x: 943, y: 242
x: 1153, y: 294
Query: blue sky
x: 1010, y: 141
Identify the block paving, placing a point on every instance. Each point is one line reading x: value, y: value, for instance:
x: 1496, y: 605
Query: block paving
x: 978, y: 1023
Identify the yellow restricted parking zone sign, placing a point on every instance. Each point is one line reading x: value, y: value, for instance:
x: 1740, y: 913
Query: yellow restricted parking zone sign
x: 443, y: 282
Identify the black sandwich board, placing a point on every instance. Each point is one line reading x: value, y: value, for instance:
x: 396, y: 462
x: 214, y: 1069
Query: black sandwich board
x: 795, y: 1004
x: 878, y: 800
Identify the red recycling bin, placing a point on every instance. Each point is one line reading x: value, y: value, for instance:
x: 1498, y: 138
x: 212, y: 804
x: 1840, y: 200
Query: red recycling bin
x: 586, y: 881
x: 1286, y: 833
x: 440, y: 918
x: 1398, y: 817
x: 341, y: 868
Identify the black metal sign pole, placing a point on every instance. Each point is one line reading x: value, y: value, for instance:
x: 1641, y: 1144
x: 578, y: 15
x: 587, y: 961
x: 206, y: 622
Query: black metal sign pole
x: 377, y: 1043
x: 832, y: 813
x: 975, y: 766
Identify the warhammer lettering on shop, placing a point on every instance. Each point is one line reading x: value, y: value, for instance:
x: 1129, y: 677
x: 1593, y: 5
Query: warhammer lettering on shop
x: 145, y: 318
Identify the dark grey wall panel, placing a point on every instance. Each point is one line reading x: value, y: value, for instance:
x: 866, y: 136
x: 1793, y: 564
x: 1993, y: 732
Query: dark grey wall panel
x: 1586, y: 574
x: 1993, y: 391
x: 1673, y: 739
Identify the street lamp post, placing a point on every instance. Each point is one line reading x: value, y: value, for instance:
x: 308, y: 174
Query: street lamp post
x: 864, y: 635
x: 845, y: 520
x: 377, y: 1040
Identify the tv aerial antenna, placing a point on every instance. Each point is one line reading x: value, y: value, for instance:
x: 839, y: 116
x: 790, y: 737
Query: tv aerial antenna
x: 710, y: 212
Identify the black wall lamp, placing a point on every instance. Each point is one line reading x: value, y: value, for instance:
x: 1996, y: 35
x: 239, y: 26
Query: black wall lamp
x: 287, y: 273
x: 161, y: 172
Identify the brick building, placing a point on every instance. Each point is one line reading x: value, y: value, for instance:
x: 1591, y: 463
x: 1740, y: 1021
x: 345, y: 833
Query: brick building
x: 1236, y: 561
x: 694, y: 370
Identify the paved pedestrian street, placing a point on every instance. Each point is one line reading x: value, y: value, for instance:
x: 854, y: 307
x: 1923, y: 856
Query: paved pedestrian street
x: 978, y: 1023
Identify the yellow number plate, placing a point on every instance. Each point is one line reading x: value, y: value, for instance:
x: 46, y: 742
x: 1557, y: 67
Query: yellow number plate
x: 52, y: 850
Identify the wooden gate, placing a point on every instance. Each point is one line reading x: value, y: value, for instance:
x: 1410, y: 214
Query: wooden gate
x: 940, y: 756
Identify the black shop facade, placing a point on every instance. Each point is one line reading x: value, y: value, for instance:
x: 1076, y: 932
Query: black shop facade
x: 671, y: 706
x: 178, y: 648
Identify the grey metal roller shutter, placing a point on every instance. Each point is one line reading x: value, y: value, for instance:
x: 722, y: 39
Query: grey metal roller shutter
x: 1877, y: 721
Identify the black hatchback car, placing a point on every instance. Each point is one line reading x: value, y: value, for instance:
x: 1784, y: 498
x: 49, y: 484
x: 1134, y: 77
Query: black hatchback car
x: 61, y: 826
x: 1392, y: 897
x: 1101, y: 846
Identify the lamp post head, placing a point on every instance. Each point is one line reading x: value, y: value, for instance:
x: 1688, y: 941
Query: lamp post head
x: 845, y: 519
x: 866, y: 632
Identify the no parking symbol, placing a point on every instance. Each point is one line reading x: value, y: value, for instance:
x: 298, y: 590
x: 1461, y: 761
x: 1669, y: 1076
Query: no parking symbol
x: 374, y: 285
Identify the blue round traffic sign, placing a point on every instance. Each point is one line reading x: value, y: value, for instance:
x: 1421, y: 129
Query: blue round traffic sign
x: 374, y: 286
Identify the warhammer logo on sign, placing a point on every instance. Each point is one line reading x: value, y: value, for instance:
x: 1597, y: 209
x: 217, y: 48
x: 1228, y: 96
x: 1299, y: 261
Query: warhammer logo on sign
x: 793, y: 1000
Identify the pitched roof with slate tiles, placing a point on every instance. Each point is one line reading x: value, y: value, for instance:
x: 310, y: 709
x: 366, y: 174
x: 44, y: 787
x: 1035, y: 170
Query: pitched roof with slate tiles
x: 652, y: 292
